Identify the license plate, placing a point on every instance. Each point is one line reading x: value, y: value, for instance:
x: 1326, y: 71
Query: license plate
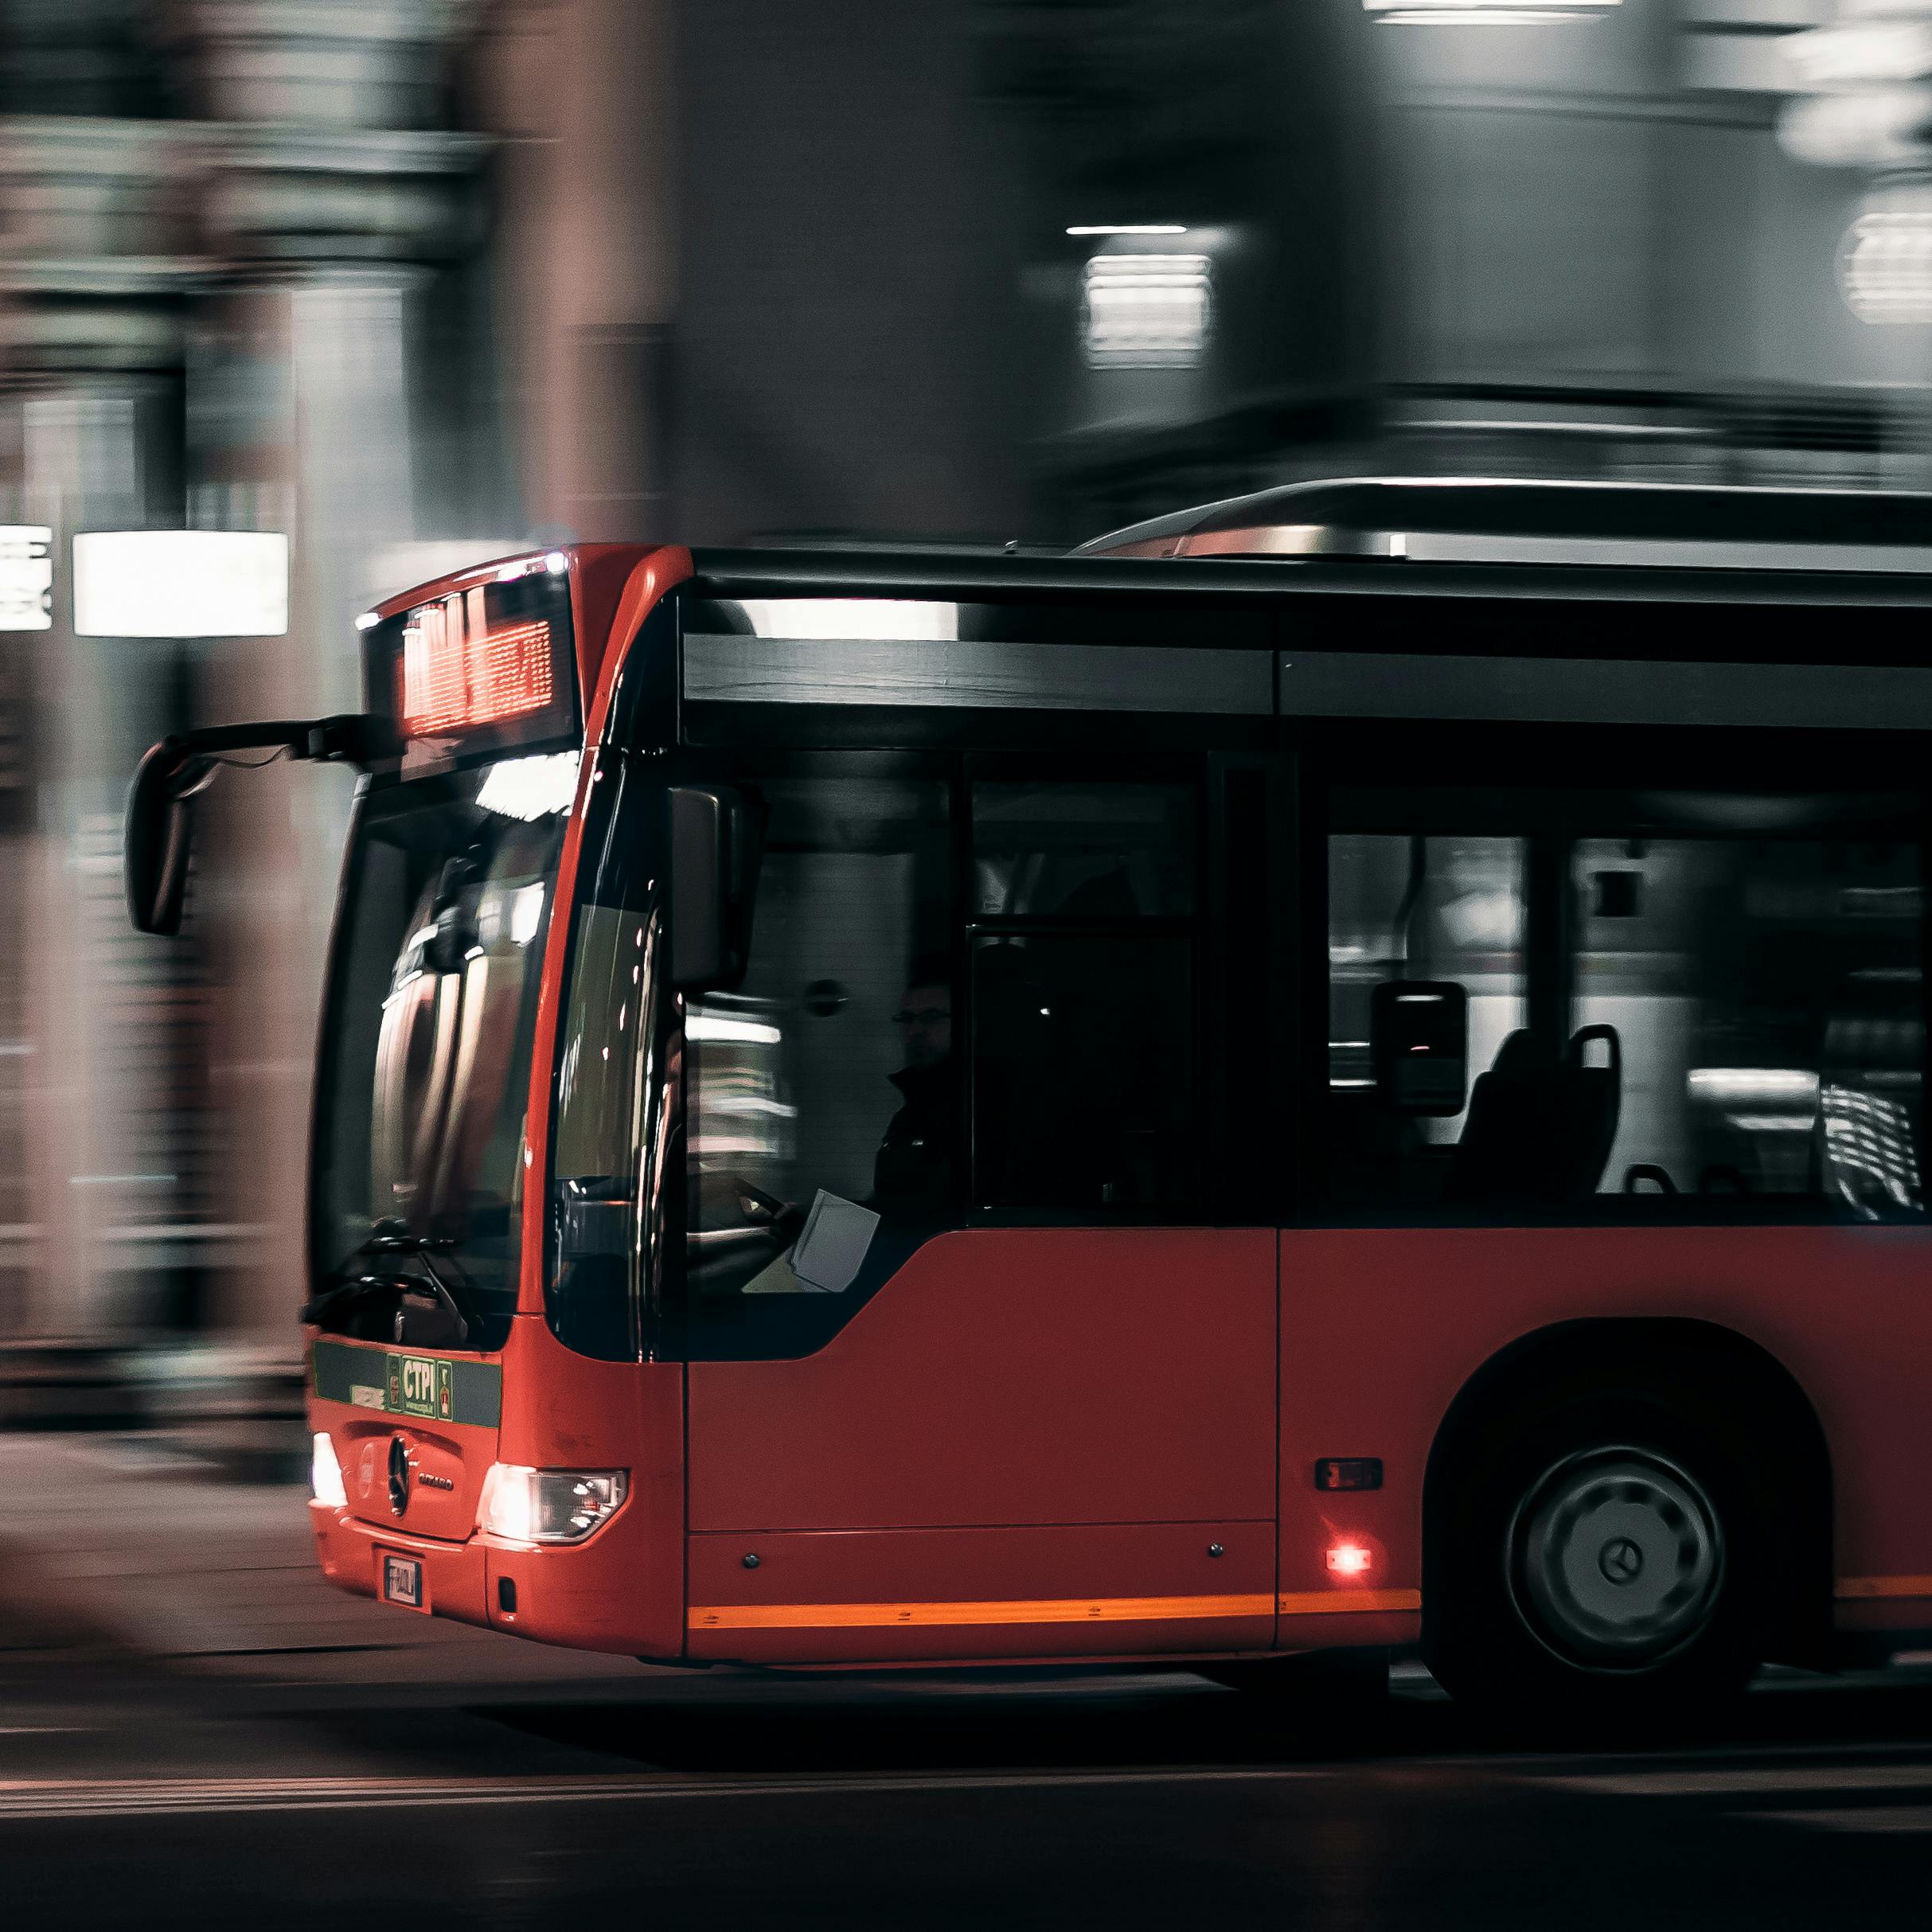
x: 402, y: 1581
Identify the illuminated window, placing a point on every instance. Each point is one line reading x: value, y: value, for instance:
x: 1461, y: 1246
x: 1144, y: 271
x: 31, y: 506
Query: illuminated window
x: 1885, y: 266
x: 181, y: 583
x: 1146, y: 311
x: 26, y: 578
x: 1702, y: 1004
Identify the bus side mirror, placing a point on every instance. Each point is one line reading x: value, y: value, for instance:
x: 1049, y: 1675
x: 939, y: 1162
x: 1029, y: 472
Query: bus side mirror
x: 716, y: 842
x: 158, y: 832
x: 1419, y: 1034
x: 159, y: 835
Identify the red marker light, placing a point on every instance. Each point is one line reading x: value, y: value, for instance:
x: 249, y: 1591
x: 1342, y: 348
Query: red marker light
x: 1348, y: 1559
x: 1348, y: 1473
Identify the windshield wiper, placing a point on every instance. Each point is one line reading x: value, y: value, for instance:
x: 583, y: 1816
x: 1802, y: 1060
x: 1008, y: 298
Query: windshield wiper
x: 390, y: 1237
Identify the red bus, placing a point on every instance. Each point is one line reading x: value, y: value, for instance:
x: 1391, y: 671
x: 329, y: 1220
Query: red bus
x: 881, y: 1109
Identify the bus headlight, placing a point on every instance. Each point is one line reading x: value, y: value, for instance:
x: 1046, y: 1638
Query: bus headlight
x: 526, y: 1505
x: 326, y: 1473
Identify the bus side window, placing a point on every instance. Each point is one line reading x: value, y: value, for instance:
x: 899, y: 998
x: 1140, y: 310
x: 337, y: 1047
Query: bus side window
x: 1734, y: 1021
x: 1083, y: 1058
x: 1107, y: 851
x: 822, y: 1092
x: 1083, y: 1073
x: 1413, y: 909
x: 1767, y: 991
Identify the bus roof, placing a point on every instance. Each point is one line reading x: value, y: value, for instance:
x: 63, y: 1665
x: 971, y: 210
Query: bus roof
x: 1312, y: 636
x: 964, y: 575
x: 1504, y: 519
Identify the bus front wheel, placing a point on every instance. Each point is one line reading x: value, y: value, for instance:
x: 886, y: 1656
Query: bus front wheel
x: 1605, y: 1560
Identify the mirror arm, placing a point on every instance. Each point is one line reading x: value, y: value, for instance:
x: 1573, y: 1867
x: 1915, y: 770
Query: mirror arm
x: 158, y: 828
x: 350, y: 738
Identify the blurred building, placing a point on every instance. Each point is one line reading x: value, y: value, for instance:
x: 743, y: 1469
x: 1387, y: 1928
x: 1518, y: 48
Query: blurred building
x: 418, y: 279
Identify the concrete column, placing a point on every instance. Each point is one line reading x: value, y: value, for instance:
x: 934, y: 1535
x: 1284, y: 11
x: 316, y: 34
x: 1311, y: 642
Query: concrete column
x: 582, y: 92
x: 102, y: 1078
x: 330, y: 207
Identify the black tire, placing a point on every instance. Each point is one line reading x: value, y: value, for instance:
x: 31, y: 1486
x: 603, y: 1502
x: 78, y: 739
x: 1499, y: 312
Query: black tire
x: 1599, y: 1556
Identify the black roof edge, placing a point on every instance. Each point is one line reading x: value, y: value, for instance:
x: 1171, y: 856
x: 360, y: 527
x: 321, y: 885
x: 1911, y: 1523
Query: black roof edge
x: 962, y: 575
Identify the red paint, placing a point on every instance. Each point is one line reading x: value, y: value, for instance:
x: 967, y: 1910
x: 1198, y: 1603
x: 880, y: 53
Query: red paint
x: 351, y: 1554
x: 457, y: 1454
x: 623, y: 1589
x: 1006, y: 1377
x: 1118, y: 1385
x: 1114, y: 1560
x: 1381, y: 1328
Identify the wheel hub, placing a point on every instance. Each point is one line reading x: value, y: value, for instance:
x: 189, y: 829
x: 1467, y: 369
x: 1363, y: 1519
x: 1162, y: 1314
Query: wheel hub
x: 1615, y: 1558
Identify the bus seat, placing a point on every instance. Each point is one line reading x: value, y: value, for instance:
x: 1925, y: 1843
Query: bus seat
x: 1593, y: 1104
x: 1540, y: 1129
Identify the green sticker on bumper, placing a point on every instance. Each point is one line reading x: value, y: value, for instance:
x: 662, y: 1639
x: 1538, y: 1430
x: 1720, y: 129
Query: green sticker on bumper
x: 426, y: 1387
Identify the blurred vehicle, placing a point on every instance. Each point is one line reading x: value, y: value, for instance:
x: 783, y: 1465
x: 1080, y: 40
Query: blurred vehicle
x: 883, y: 1109
x: 1506, y: 520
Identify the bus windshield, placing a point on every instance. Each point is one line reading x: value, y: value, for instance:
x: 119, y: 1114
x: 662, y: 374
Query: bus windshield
x: 425, y: 1081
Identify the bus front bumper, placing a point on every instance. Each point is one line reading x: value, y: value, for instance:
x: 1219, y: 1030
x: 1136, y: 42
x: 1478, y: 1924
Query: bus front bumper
x: 598, y: 1594
x: 453, y: 1578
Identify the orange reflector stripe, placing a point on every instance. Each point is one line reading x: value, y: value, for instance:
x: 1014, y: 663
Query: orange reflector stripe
x: 1035, y: 1609
x: 1329, y: 1602
x: 1854, y: 1587
x: 1042, y: 1609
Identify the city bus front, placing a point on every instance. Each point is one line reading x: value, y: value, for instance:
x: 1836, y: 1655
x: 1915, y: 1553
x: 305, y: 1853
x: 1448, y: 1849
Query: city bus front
x: 467, y: 1463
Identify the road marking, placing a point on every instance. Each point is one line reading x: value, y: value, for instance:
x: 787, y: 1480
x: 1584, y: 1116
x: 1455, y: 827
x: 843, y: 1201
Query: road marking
x: 1901, y: 1819
x: 25, y: 1799
x: 1746, y: 1783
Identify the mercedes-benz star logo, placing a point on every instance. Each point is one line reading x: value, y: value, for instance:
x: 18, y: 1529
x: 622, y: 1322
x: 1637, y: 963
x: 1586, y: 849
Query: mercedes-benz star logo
x: 1620, y: 1560
x: 398, y: 1475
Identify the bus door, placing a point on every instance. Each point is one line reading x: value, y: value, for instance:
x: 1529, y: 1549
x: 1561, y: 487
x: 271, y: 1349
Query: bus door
x: 971, y: 1375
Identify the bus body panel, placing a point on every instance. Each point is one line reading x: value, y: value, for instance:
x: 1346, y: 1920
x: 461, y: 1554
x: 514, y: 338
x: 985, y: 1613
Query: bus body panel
x: 1115, y: 1387
x: 1382, y: 1327
x: 623, y: 1589
x: 852, y: 1596
x: 1007, y: 1375
x: 358, y: 1395
x: 351, y: 1553
x: 1063, y: 1442
x: 601, y: 575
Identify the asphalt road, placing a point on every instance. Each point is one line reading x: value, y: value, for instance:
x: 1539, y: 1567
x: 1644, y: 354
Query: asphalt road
x: 130, y: 1797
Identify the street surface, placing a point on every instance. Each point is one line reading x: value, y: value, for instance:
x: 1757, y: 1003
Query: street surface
x: 350, y: 1761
